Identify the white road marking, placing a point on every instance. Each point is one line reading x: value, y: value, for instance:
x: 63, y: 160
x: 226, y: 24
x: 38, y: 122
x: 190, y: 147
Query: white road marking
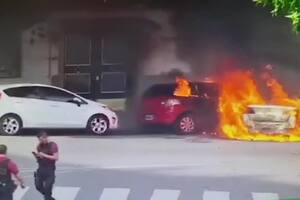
x: 70, y: 193
x: 265, y: 196
x: 115, y: 194
x: 19, y: 193
x: 165, y: 195
x: 65, y: 193
x: 216, y: 195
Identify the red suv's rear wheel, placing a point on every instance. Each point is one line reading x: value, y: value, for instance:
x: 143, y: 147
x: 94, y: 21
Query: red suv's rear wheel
x: 186, y: 124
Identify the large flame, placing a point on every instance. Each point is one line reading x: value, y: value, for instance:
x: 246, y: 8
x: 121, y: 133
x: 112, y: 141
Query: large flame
x: 238, y: 90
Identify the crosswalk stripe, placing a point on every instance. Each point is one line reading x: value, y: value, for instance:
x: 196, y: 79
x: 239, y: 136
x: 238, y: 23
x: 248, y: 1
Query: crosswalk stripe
x: 216, y: 195
x: 165, y: 195
x: 70, y: 193
x: 265, y: 196
x: 65, y: 193
x: 19, y: 193
x: 115, y: 194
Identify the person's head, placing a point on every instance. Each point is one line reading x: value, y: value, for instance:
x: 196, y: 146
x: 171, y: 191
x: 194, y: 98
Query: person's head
x: 43, y: 137
x: 3, y: 149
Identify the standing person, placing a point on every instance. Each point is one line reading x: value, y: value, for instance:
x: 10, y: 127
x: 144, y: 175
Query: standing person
x: 8, y: 169
x: 46, y: 155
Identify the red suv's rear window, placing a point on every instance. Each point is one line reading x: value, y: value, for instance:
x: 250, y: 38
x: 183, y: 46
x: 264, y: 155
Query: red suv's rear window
x: 160, y: 90
x: 167, y: 90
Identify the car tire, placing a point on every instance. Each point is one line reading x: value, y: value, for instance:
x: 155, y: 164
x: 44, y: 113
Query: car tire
x: 186, y: 124
x: 10, y: 124
x: 98, y: 125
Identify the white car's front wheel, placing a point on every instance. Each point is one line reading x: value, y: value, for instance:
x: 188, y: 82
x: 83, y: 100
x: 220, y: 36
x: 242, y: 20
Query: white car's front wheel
x: 10, y: 125
x: 98, y: 124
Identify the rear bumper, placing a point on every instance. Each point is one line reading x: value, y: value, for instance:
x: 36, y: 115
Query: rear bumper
x: 273, y: 124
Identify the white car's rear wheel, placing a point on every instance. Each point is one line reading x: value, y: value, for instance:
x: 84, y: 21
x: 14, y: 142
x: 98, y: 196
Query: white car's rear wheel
x: 10, y: 125
x: 98, y: 124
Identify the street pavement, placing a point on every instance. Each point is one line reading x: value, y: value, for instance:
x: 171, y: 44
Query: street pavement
x: 163, y: 167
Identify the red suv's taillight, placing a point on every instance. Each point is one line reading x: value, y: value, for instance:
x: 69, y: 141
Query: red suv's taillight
x: 171, y: 102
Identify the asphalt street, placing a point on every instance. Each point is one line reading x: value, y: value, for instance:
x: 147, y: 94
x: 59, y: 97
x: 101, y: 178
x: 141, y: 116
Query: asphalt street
x: 163, y: 167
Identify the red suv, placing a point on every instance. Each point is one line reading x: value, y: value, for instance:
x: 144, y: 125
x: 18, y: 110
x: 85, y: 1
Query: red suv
x: 187, y: 113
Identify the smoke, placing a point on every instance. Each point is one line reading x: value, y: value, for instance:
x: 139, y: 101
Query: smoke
x: 161, y: 63
x: 163, y: 58
x: 162, y: 55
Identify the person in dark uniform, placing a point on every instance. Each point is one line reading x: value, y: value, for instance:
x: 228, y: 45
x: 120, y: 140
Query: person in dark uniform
x: 46, y: 155
x: 8, y: 169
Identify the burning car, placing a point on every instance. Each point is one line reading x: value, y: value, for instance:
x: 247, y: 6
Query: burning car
x: 272, y: 119
x: 246, y: 113
x: 187, y: 106
x: 235, y: 105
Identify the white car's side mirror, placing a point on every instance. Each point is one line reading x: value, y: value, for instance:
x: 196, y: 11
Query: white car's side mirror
x: 76, y: 101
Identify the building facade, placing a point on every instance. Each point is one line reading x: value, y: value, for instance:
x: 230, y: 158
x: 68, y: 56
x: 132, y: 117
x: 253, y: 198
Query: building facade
x: 97, y: 55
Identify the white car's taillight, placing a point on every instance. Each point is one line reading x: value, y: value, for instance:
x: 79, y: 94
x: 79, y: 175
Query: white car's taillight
x: 106, y: 107
x: 171, y: 102
x: 114, y: 120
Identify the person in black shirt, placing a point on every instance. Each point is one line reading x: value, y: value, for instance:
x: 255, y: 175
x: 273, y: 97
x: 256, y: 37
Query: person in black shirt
x: 46, y: 155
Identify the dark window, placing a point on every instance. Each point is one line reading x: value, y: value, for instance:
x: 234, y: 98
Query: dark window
x: 115, y: 49
x: 208, y: 90
x: 78, y: 50
x: 23, y: 92
x: 53, y: 94
x: 160, y: 90
x: 10, y: 54
x: 194, y: 89
x: 113, y: 82
x: 78, y: 83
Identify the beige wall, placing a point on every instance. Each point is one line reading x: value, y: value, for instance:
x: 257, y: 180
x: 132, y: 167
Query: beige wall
x: 35, y: 60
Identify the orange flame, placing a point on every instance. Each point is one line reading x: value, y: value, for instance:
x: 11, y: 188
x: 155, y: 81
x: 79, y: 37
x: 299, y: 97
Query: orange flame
x: 238, y: 90
x: 183, y: 87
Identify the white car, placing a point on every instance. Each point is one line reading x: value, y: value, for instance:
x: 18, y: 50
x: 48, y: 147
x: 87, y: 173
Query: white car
x: 46, y: 107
